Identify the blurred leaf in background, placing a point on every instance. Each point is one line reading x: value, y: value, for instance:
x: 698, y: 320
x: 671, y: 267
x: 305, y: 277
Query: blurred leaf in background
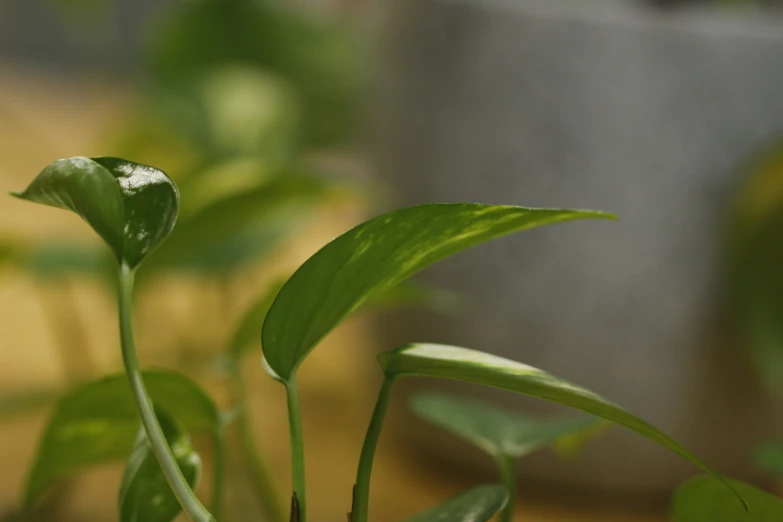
x: 755, y: 258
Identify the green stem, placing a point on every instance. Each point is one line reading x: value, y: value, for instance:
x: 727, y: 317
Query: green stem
x: 179, y: 485
x: 220, y: 472
x: 362, y: 488
x: 508, y: 473
x: 297, y: 450
x: 260, y: 472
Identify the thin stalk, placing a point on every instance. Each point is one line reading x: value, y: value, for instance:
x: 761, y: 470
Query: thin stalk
x: 259, y: 469
x: 298, y: 501
x: 219, y: 473
x: 361, y: 499
x: 179, y: 485
x: 508, y: 473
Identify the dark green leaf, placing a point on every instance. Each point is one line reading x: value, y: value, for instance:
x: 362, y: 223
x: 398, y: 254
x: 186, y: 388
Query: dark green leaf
x: 376, y: 256
x: 705, y: 499
x: 145, y: 495
x: 498, y: 431
x: 769, y: 457
x: 413, y: 294
x: 132, y: 207
x: 475, y: 505
x: 98, y: 423
x: 462, y: 364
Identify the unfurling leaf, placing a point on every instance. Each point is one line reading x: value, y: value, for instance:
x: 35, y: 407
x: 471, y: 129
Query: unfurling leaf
x: 705, y: 499
x: 132, y: 207
x: 475, y: 505
x: 145, y: 495
x: 462, y: 364
x: 376, y: 256
x: 497, y: 431
x: 98, y: 423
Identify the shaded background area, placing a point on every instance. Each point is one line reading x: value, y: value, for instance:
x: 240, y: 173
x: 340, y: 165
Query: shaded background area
x: 669, y: 117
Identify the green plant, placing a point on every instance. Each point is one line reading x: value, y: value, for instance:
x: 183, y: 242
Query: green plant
x: 134, y: 207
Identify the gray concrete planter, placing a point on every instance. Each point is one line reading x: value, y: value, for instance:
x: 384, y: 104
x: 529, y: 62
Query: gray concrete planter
x: 595, y: 104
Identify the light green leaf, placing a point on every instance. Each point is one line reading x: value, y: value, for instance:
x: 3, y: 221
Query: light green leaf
x: 498, y: 431
x: 414, y: 294
x: 145, y: 495
x: 769, y: 457
x: 376, y: 256
x: 98, y: 423
x: 475, y: 505
x: 705, y: 499
x: 462, y: 364
x: 132, y: 207
x: 26, y: 402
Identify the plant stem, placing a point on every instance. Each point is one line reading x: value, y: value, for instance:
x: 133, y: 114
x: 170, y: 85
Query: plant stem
x: 260, y: 472
x: 508, y: 473
x: 297, y: 449
x: 179, y: 485
x: 361, y: 501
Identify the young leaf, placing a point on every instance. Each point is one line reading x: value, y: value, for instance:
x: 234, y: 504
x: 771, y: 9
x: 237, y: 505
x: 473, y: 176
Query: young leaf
x: 462, y: 364
x: 374, y: 257
x: 498, y: 431
x: 704, y: 499
x: 475, y: 505
x: 769, y: 457
x: 132, y: 207
x: 98, y: 422
x: 145, y: 495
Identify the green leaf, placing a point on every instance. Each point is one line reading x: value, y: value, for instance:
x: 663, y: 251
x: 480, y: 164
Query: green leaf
x: 98, y: 423
x: 320, y: 59
x: 376, y: 256
x: 705, y: 499
x: 462, y: 364
x: 145, y: 495
x: 410, y: 294
x: 19, y: 404
x: 8, y: 252
x: 243, y: 226
x: 132, y: 207
x: 769, y: 457
x: 407, y: 294
x: 498, y: 431
x: 475, y: 505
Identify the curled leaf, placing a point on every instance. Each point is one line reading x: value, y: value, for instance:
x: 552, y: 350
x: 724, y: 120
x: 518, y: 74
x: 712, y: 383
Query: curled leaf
x: 132, y: 207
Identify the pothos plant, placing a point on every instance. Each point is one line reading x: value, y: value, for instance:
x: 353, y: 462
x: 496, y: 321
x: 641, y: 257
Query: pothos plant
x: 148, y: 417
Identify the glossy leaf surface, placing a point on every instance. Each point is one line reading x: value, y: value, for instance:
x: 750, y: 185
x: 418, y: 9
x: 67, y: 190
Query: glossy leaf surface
x: 374, y: 257
x: 98, y: 423
x: 462, y: 364
x: 496, y: 430
x: 475, y: 505
x: 145, y: 495
x: 132, y: 207
x: 705, y: 499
